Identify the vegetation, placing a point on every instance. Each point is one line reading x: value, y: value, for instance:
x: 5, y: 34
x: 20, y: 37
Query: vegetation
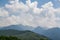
x: 20, y: 35
x: 8, y: 38
x: 15, y: 38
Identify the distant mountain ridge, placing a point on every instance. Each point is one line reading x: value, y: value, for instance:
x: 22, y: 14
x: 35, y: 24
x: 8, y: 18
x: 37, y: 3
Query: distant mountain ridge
x: 17, y: 27
x: 53, y: 33
x: 39, y: 30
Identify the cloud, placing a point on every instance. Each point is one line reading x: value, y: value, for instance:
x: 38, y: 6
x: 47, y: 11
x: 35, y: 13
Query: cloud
x: 29, y: 14
x: 3, y: 12
x: 47, y: 5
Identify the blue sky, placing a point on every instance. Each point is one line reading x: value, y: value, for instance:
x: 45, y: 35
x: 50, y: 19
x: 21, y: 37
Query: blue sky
x: 40, y: 2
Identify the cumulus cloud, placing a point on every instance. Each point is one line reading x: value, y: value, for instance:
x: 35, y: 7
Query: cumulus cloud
x: 47, y: 5
x: 3, y: 13
x: 29, y: 14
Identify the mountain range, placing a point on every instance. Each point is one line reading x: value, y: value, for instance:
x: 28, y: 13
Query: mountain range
x: 53, y: 33
x: 17, y: 27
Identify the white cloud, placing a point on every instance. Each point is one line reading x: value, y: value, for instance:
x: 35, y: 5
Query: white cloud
x: 31, y: 5
x: 29, y: 14
x: 47, y: 5
x: 3, y: 12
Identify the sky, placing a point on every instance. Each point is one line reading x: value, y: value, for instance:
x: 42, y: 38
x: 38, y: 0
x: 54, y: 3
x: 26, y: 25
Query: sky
x: 44, y: 13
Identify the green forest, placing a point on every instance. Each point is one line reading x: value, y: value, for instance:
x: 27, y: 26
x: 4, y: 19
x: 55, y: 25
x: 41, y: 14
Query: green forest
x: 21, y: 35
x: 8, y: 38
x: 15, y: 38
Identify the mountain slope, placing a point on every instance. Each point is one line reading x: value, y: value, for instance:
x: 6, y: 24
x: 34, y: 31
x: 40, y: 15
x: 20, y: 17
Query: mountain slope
x: 39, y: 30
x: 53, y: 33
x: 24, y: 35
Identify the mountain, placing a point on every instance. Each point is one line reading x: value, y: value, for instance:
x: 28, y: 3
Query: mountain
x: 53, y: 33
x: 39, y: 30
x: 23, y: 35
x: 17, y: 27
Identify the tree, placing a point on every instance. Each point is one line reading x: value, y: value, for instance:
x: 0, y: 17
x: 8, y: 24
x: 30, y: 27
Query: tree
x: 8, y: 38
